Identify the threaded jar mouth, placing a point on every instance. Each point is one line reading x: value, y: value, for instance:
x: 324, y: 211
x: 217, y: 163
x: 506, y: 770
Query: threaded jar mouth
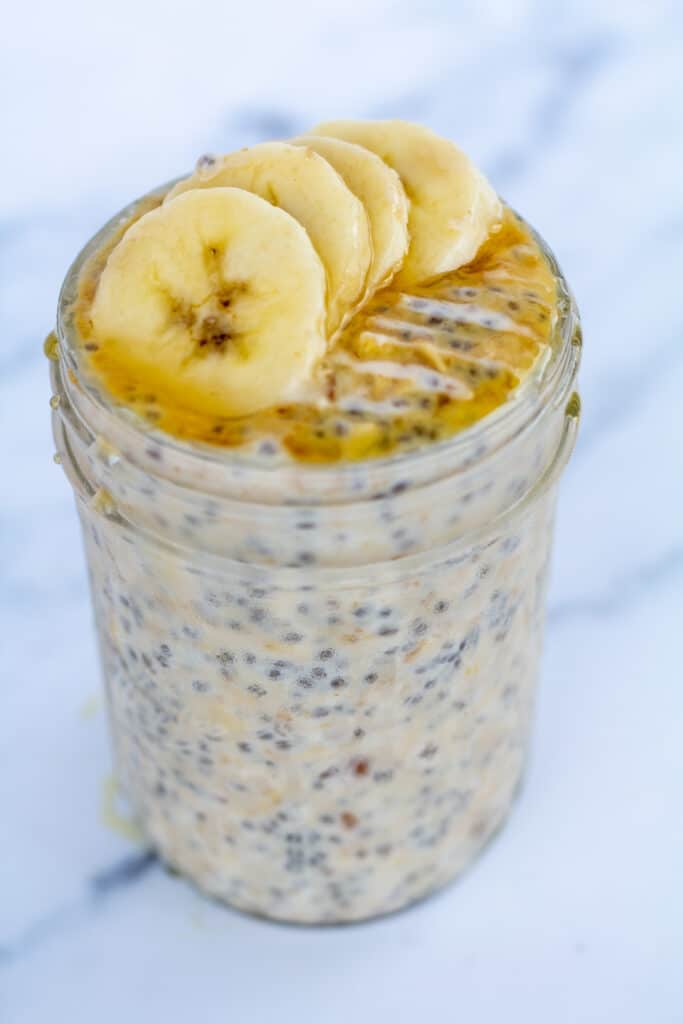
x: 430, y: 501
x: 295, y: 578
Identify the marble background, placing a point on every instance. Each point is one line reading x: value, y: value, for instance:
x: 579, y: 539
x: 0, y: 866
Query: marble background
x: 574, y: 110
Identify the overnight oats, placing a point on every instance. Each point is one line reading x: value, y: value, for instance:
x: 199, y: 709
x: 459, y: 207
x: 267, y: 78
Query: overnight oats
x: 314, y: 402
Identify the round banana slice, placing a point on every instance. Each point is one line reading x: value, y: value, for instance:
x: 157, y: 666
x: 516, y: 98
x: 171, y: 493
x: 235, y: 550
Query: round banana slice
x: 453, y: 208
x: 218, y: 297
x: 305, y: 185
x: 380, y: 190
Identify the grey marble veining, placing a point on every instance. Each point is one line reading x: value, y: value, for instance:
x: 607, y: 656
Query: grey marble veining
x: 574, y: 111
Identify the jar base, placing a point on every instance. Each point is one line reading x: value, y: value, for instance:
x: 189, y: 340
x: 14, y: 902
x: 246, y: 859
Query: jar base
x: 348, y: 920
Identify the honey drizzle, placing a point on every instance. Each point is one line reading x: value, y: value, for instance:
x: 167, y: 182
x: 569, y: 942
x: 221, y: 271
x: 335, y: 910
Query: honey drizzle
x: 407, y: 369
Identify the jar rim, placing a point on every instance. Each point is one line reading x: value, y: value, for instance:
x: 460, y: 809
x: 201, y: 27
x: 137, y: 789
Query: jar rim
x: 488, y: 434
x: 393, y: 569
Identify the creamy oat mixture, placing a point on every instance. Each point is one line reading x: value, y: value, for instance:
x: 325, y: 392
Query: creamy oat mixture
x: 320, y: 627
x: 320, y: 753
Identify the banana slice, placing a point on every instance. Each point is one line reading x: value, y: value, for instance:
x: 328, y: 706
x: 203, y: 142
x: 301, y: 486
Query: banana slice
x: 219, y: 298
x: 453, y: 208
x: 380, y: 190
x: 306, y: 186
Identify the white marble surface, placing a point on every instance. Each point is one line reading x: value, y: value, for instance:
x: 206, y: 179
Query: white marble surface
x: 576, y: 913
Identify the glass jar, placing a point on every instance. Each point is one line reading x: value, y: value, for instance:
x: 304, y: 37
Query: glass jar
x: 320, y: 679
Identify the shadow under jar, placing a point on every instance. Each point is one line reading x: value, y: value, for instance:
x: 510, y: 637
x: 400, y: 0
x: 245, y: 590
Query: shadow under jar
x: 320, y: 679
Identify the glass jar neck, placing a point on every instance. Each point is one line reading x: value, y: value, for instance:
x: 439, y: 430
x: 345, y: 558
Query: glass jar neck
x: 436, y: 495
